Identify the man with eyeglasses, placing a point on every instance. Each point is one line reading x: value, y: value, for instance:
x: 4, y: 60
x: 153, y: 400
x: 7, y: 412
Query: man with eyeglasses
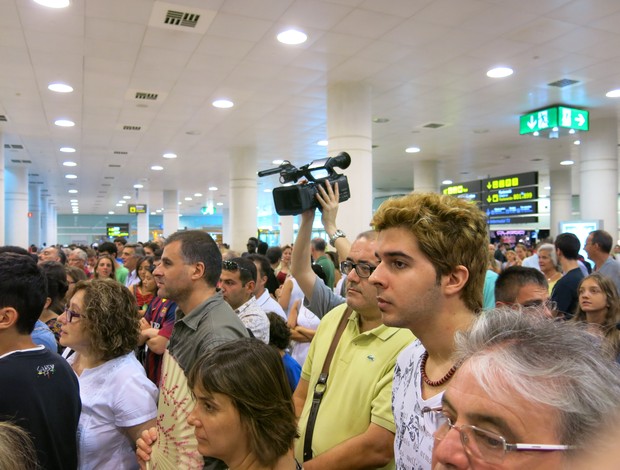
x: 237, y: 283
x: 531, y: 393
x: 40, y: 391
x: 354, y: 427
x: 518, y: 286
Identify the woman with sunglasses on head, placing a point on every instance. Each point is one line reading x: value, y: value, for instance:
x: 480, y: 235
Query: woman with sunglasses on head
x: 599, y: 307
x: 146, y: 289
x: 243, y: 413
x: 100, y: 331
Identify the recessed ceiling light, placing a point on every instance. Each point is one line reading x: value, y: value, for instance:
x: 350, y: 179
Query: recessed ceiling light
x: 60, y: 87
x: 613, y: 93
x: 157, y: 211
x: 555, y: 129
x: 67, y: 149
x: 500, y: 72
x: 223, y: 103
x: 170, y: 155
x: 153, y: 213
x: 380, y: 120
x: 53, y: 3
x: 412, y: 149
x: 111, y: 212
x: 572, y: 131
x: 64, y: 123
x: 536, y: 133
x: 197, y: 194
x: 69, y: 163
x: 73, y: 200
x: 180, y: 203
x: 71, y: 177
x: 126, y: 197
x: 322, y: 143
x: 138, y: 186
x: 213, y: 188
x: 567, y: 162
x: 219, y: 203
x: 447, y: 182
x: 547, y: 188
x: 157, y: 168
x: 292, y: 37
x: 577, y: 142
x: 277, y: 162
x: 119, y: 205
x: 267, y: 190
x: 188, y: 198
x: 75, y: 203
x: 73, y: 191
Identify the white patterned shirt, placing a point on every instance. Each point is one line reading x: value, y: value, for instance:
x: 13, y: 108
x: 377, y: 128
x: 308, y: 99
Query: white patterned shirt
x: 254, y: 319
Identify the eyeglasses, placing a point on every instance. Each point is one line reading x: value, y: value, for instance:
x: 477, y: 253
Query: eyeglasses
x: 547, y: 304
x: 486, y: 445
x: 71, y: 314
x: 363, y: 270
x: 233, y: 266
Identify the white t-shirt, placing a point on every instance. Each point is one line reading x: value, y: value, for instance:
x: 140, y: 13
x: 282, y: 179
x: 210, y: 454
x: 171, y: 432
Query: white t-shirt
x: 296, y: 294
x: 117, y: 394
x: 307, y: 319
x: 268, y: 304
x: 413, y: 443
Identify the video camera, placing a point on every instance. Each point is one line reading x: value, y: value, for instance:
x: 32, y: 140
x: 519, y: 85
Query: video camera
x: 298, y: 198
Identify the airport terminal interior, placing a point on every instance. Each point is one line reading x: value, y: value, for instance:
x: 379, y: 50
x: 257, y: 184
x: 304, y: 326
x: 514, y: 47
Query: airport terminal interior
x: 150, y: 116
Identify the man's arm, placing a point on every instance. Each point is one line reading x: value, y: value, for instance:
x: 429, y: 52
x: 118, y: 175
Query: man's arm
x: 299, y: 396
x: 301, y: 264
x: 372, y: 449
x: 328, y: 197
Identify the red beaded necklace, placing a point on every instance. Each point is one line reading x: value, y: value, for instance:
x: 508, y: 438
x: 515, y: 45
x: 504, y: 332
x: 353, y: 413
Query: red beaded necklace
x: 435, y: 383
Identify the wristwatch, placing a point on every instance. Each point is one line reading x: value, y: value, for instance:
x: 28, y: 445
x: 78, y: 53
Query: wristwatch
x: 337, y: 234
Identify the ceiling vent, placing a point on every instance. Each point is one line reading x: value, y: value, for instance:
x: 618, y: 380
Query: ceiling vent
x: 120, y: 152
x: 113, y: 165
x: 108, y: 177
x: 34, y: 175
x: 433, y: 125
x: 21, y: 161
x: 563, y: 83
x: 106, y: 184
x: 14, y: 146
x: 181, y: 18
x: 3, y: 118
x: 145, y: 97
x: 132, y: 128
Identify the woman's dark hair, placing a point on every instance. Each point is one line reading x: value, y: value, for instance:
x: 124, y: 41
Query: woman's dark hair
x: 57, y: 285
x: 112, y: 317
x: 251, y: 374
x: 279, y: 332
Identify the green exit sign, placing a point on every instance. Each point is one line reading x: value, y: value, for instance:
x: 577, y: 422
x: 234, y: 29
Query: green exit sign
x: 555, y: 116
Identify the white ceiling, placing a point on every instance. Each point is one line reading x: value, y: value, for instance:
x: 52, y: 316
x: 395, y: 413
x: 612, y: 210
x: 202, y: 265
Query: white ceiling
x: 424, y: 59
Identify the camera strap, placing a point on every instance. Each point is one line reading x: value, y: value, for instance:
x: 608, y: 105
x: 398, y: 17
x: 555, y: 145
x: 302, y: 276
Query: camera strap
x: 321, y: 384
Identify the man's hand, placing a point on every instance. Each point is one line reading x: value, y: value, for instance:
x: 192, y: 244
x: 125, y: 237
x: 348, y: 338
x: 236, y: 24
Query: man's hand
x: 328, y: 197
x: 144, y: 446
x: 144, y: 324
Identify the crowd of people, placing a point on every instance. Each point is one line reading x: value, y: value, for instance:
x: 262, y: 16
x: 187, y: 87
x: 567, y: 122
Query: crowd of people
x: 180, y: 353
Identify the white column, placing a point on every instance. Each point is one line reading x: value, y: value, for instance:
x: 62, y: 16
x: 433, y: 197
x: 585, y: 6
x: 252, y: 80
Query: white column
x: 44, y: 219
x: 53, y: 218
x: 425, y: 176
x: 599, y: 174
x: 349, y: 129
x: 171, y: 211
x: 2, y: 208
x: 226, y: 226
x: 34, y: 221
x: 143, y: 227
x: 561, y: 193
x: 286, y: 230
x: 243, y: 186
x: 16, y: 206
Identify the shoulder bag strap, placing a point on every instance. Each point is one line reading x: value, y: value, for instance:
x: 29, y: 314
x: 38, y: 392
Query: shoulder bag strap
x: 321, y: 385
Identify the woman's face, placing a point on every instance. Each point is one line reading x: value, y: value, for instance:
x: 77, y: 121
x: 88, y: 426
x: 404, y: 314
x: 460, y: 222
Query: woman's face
x: 218, y: 427
x: 521, y: 253
x: 72, y: 334
x: 592, y: 299
x: 104, y: 268
x: 511, y: 257
x: 148, y: 282
x: 545, y: 261
x: 286, y: 255
x: 144, y: 267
